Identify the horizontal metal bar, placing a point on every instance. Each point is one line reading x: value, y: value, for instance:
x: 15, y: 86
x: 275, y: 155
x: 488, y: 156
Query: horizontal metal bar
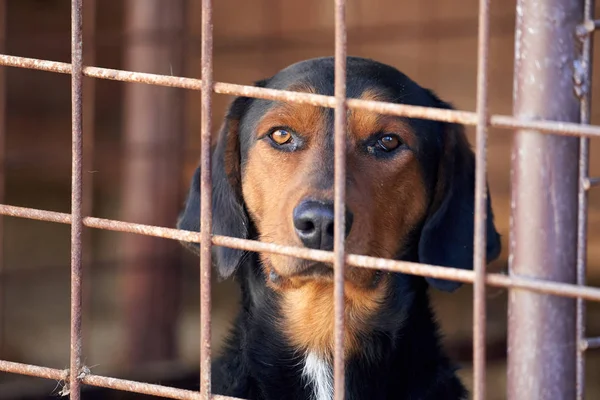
x: 454, y: 116
x: 591, y: 343
x: 146, y: 388
x: 589, y: 183
x: 33, y: 370
x: 106, y: 382
x: 588, y: 27
x: 465, y: 276
x: 551, y: 127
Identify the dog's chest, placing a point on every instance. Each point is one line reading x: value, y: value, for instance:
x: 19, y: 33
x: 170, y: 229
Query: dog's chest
x: 318, y: 374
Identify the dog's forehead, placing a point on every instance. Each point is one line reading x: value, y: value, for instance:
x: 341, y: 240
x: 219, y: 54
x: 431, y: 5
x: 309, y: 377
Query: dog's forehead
x: 361, y: 75
x: 366, y: 79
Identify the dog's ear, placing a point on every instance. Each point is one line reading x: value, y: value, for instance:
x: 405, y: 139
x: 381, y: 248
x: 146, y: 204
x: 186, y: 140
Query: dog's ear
x: 447, y: 235
x: 229, y: 216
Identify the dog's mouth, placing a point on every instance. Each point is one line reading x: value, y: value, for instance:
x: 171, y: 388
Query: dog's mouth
x: 314, y: 270
x: 306, y: 271
x: 323, y: 272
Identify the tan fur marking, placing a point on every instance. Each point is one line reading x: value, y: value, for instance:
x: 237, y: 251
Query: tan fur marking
x: 309, y: 316
x: 387, y: 196
x: 363, y: 123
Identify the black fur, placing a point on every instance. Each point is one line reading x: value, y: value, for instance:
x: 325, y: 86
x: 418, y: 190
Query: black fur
x: 402, y: 358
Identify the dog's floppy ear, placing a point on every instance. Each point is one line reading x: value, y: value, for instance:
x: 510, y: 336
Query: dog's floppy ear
x: 447, y: 235
x: 229, y: 214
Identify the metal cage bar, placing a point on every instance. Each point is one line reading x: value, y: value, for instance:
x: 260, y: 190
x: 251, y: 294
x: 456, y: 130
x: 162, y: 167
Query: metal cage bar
x: 2, y: 172
x: 78, y: 374
x: 76, y: 193
x: 479, y: 248
x: 401, y: 110
x: 206, y: 199
x: 339, y: 261
x: 544, y: 176
x: 434, y: 271
x: 583, y: 88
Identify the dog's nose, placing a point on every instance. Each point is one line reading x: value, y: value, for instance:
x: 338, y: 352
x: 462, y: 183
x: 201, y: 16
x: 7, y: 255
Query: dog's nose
x: 313, y: 221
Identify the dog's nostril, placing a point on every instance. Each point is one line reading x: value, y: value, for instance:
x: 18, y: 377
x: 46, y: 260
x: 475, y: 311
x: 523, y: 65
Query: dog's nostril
x: 304, y: 225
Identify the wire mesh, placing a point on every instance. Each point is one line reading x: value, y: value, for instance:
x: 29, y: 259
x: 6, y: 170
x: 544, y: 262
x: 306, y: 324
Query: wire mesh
x: 78, y: 374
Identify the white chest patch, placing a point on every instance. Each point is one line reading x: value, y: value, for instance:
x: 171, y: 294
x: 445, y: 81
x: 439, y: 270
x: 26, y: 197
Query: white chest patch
x: 319, y: 375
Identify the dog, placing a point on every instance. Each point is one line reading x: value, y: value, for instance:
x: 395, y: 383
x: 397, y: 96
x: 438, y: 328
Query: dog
x: 409, y: 196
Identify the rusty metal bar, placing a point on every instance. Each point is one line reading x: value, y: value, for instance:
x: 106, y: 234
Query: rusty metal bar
x: 339, y: 198
x: 2, y: 170
x: 34, y: 370
x: 404, y: 110
x: 76, y: 193
x: 140, y: 387
x: 479, y: 256
x: 206, y: 199
x: 544, y: 126
x: 62, y: 375
x: 591, y: 343
x: 583, y: 88
x: 590, y: 183
x: 544, y: 202
x: 497, y: 280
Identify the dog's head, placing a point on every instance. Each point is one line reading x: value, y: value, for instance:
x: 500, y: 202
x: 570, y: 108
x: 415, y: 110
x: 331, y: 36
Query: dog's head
x: 409, y: 186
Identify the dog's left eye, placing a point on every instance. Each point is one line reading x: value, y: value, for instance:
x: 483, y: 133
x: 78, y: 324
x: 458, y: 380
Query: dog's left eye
x: 281, y: 136
x: 389, y: 142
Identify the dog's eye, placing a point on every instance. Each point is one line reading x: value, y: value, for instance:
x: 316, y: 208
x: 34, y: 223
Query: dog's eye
x: 389, y: 142
x: 281, y: 136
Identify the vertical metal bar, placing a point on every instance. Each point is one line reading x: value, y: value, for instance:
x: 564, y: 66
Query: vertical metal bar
x: 206, y: 198
x: 76, y: 192
x: 479, y: 256
x: 584, y: 89
x: 2, y: 168
x: 543, y: 241
x: 339, y: 196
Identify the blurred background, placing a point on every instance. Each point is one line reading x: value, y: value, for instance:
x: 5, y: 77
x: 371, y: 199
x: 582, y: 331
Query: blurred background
x: 141, y: 294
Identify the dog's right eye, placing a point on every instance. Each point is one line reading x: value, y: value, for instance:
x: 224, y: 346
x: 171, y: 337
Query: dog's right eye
x: 281, y: 136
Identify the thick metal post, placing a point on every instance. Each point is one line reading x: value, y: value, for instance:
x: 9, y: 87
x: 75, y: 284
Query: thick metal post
x: 543, y: 241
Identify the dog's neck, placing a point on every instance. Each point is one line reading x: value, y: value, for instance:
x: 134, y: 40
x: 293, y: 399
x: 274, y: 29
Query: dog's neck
x: 402, y: 343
